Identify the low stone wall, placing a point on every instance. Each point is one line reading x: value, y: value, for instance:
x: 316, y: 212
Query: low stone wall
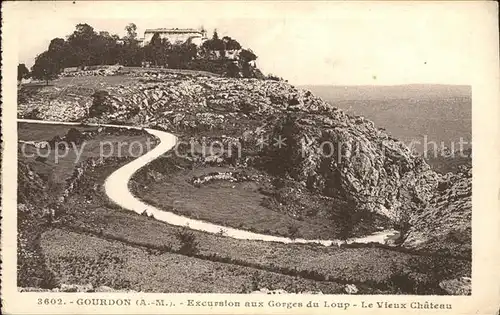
x: 100, y: 72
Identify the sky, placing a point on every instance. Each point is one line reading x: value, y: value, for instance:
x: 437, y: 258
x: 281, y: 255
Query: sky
x: 327, y: 43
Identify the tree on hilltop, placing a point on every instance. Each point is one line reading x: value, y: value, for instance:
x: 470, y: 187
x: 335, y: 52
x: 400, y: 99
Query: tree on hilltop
x: 45, y: 68
x: 215, y: 36
x: 131, y: 36
x: 81, y: 42
x: 131, y: 29
x: 22, y: 72
x: 215, y: 43
x: 180, y: 55
x: 61, y: 52
x: 57, y: 44
x: 230, y: 44
x: 82, y: 35
x: 157, y: 50
x: 88, y: 47
x: 104, y: 34
x: 102, y: 49
x: 247, y: 55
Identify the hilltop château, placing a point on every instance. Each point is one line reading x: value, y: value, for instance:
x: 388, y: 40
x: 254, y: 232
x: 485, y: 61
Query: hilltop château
x: 175, y: 48
x: 176, y: 35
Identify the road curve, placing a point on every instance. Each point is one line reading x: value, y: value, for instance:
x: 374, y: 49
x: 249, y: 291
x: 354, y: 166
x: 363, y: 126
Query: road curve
x: 116, y: 187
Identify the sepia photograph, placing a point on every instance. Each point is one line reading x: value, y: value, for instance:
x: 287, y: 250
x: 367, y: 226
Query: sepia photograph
x: 285, y: 149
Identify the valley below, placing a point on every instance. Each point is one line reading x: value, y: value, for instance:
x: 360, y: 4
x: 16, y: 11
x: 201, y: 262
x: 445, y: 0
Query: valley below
x: 233, y: 190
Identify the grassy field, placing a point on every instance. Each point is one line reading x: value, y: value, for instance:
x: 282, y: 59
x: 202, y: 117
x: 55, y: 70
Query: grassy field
x: 89, y: 84
x: 75, y: 256
x: 238, y: 205
x: 57, y: 165
x: 252, y: 205
x: 41, y: 132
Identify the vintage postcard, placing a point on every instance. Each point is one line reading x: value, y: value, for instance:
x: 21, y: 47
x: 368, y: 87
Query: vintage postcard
x: 221, y: 157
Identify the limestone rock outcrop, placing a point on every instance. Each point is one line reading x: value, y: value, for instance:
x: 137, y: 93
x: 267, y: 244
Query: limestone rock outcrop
x: 346, y: 157
x: 444, y: 225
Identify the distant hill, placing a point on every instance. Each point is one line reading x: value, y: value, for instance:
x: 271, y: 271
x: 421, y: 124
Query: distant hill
x: 408, y: 112
x: 389, y: 92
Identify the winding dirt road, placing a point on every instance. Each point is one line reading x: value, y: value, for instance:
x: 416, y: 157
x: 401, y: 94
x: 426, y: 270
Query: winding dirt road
x: 116, y: 187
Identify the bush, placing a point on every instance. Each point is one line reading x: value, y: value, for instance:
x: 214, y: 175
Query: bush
x: 255, y: 281
x: 189, y: 245
x: 99, y: 104
x: 75, y: 136
x: 269, y: 203
x: 273, y: 77
x: 402, y: 224
x: 293, y: 231
x: 41, y: 159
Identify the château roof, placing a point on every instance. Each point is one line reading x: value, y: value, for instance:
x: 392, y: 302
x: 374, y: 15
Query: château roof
x: 172, y: 30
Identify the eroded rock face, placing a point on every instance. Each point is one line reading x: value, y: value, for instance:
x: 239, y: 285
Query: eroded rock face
x: 52, y: 103
x: 445, y: 223
x: 339, y: 156
x: 30, y: 187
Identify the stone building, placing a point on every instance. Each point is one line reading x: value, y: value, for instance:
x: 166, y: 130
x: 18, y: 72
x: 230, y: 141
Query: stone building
x: 176, y: 35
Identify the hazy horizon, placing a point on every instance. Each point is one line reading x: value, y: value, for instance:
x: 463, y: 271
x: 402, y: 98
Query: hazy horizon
x: 390, y: 92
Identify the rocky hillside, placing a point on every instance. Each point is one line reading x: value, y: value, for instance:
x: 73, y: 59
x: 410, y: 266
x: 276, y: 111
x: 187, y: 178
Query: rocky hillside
x: 33, y: 215
x: 324, y: 150
x: 445, y: 223
x: 345, y: 157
